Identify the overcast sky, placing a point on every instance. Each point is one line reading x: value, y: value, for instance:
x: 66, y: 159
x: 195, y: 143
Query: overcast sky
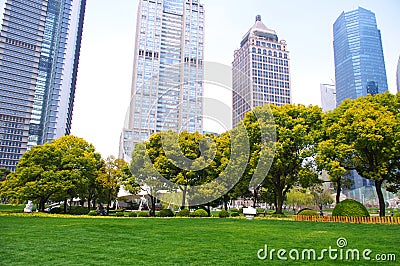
x: 106, y: 59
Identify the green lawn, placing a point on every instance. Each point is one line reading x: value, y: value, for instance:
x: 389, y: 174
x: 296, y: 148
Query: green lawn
x: 179, y: 241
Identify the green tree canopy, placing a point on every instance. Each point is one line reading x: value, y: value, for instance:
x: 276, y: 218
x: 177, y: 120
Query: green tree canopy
x: 363, y: 135
x: 54, y: 170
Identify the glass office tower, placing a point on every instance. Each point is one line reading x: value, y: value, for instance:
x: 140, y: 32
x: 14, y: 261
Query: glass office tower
x: 359, y: 62
x: 39, y: 52
x: 261, y: 71
x: 167, y: 81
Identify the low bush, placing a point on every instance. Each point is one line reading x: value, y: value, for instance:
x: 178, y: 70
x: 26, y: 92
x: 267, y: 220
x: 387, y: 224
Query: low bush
x: 236, y: 210
x: 199, y: 213
x: 119, y: 214
x: 77, y: 210
x: 235, y: 214
x: 56, y: 210
x: 397, y: 214
x: 92, y: 213
x: 278, y: 215
x: 166, y: 213
x: 223, y: 214
x: 308, y: 213
x: 183, y: 213
x: 143, y: 214
x: 260, y: 210
x: 350, y: 208
x: 132, y: 214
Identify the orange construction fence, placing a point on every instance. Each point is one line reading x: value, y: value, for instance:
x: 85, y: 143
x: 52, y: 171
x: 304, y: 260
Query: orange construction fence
x: 342, y: 219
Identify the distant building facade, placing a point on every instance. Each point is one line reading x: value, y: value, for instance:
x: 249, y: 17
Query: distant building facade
x: 39, y: 53
x: 359, y: 62
x: 328, y: 97
x: 167, y: 82
x: 261, y: 71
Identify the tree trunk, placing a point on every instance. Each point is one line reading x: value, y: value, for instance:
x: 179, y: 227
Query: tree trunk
x: 153, y: 206
x: 378, y: 187
x: 183, y: 197
x: 65, y: 205
x: 338, y: 190
x: 89, y: 203
x: 41, y: 204
x: 225, y: 203
x: 208, y: 209
x: 254, y: 198
x: 280, y: 202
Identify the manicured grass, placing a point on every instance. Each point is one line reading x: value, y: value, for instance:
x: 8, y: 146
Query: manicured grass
x: 29, y: 240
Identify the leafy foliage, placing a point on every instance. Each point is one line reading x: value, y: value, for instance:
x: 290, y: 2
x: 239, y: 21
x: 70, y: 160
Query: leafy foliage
x: 308, y: 213
x: 199, y: 213
x: 58, y: 170
x: 364, y: 135
x: 183, y: 213
x: 166, y: 213
x: 223, y: 214
x: 350, y: 208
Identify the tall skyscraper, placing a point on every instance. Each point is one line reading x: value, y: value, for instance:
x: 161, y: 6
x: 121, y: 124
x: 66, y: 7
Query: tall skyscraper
x: 260, y: 71
x: 328, y: 97
x: 359, y: 63
x: 39, y: 52
x: 167, y: 81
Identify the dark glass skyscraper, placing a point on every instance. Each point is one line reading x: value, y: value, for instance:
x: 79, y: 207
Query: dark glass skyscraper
x: 39, y: 52
x: 359, y: 63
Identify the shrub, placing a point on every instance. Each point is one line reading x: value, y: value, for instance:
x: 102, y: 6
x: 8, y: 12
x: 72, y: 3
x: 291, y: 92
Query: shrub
x: 78, y: 210
x: 183, y: 213
x: 260, y: 210
x: 397, y: 214
x: 199, y: 213
x: 56, y: 210
x: 235, y: 214
x: 143, y: 214
x: 350, y: 208
x: 92, y: 213
x: 119, y: 214
x: 278, y: 215
x: 166, y: 213
x: 132, y: 214
x: 308, y: 213
x: 223, y: 214
x: 236, y: 210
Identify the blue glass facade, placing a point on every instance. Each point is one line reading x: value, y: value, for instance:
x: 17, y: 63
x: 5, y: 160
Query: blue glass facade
x: 39, y: 53
x: 359, y: 62
x: 167, y: 87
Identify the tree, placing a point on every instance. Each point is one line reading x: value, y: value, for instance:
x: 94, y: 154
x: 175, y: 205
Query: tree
x: 322, y: 197
x: 54, y: 170
x: 3, y: 174
x: 144, y: 173
x: 366, y: 134
x: 111, y: 178
x: 298, y: 130
x: 298, y: 197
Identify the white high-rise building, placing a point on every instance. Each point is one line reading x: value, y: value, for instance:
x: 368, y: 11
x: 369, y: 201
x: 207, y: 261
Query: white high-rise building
x: 328, y: 97
x: 261, y: 71
x: 167, y: 81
